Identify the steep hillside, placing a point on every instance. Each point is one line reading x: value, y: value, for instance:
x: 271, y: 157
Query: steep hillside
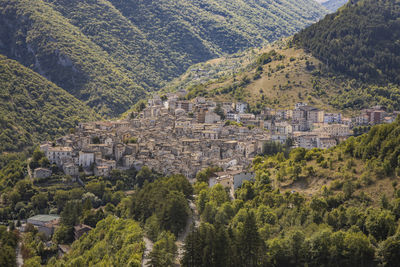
x: 108, y: 53
x: 280, y: 75
x: 114, y: 242
x: 32, y: 108
x: 368, y: 162
x: 361, y: 40
x: 40, y: 38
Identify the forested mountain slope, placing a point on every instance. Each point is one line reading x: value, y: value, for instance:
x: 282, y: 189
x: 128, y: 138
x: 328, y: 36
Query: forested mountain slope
x: 361, y: 40
x: 40, y: 38
x: 114, y: 242
x: 108, y: 53
x: 34, y: 109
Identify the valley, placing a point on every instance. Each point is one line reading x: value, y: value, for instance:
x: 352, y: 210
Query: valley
x: 199, y: 133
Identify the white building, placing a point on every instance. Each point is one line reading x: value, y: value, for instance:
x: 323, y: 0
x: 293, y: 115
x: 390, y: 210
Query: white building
x: 336, y: 130
x: 86, y: 158
x: 232, y: 117
x: 326, y: 143
x: 332, y: 118
x: 59, y: 155
x: 241, y: 107
x: 231, y: 179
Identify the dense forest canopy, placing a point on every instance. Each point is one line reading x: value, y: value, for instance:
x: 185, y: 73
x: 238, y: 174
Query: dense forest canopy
x: 114, y: 242
x: 33, y: 109
x: 40, y: 38
x: 361, y: 40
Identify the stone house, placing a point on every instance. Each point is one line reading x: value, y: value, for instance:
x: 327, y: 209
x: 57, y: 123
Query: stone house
x: 211, y: 117
x: 283, y: 128
x: 245, y: 117
x: 103, y: 171
x: 231, y: 179
x: 41, y: 173
x: 209, y: 135
x: 326, y: 143
x: 71, y: 169
x: 119, y: 151
x: 128, y: 160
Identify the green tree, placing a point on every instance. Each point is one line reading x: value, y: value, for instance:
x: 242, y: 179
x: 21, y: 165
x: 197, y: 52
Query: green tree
x: 389, y: 251
x: 164, y: 251
x: 380, y: 224
x: 249, y: 243
x: 219, y: 111
x: 175, y: 211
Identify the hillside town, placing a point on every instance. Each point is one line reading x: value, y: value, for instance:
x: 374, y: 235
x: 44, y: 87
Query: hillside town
x: 171, y: 135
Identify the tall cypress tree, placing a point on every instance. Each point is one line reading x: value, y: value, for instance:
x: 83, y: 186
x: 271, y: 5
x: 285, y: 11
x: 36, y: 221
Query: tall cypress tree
x: 249, y: 242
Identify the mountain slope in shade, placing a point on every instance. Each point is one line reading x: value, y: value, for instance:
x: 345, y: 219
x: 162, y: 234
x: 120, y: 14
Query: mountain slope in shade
x: 33, y: 109
x: 109, y: 53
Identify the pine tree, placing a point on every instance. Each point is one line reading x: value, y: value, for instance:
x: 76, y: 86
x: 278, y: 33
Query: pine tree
x: 249, y: 242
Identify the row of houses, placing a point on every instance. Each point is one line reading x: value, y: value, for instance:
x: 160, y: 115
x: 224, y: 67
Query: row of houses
x: 172, y: 135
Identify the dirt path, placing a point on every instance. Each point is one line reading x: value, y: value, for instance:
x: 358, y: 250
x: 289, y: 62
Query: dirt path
x: 19, y: 259
x: 29, y: 169
x: 149, y: 247
x: 193, y: 219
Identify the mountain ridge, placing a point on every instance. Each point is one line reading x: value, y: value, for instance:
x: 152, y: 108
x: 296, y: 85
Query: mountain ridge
x: 109, y: 53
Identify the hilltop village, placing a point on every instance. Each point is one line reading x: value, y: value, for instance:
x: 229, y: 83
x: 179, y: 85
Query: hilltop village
x: 171, y: 136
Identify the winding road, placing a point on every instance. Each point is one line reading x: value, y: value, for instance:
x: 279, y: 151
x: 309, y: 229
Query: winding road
x: 193, y: 219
